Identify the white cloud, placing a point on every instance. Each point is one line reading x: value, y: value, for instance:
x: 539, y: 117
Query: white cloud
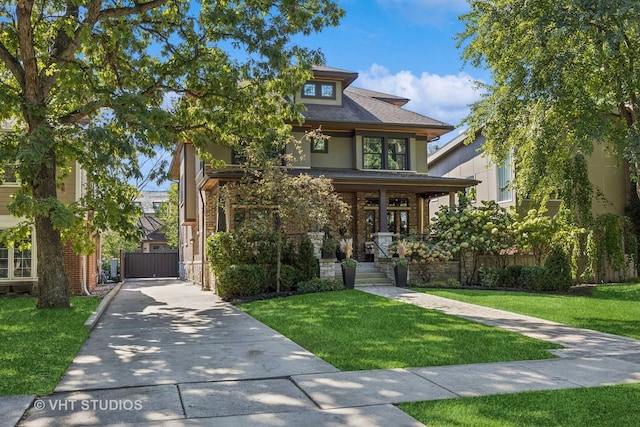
x: 445, y: 98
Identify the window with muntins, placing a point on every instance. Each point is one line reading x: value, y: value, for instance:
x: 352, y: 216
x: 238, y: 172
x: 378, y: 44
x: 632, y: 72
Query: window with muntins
x: 16, y: 263
x: 320, y: 90
x: 385, y: 153
x: 503, y: 177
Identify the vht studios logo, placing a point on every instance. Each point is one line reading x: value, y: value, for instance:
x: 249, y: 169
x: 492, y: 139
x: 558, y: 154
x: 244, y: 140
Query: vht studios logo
x: 89, y: 405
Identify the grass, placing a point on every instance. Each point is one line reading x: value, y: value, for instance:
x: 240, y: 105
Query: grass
x: 354, y: 330
x: 612, y: 309
x: 38, y: 345
x: 593, y: 407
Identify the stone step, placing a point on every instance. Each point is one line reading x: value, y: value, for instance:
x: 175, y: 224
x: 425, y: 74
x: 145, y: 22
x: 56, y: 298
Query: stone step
x: 367, y: 274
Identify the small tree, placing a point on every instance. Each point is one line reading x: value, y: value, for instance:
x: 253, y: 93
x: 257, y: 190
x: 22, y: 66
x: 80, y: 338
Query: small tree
x: 299, y: 202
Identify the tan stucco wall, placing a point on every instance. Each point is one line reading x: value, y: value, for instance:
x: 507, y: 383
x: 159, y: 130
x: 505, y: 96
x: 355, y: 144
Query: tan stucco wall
x: 67, y: 193
x: 609, y: 177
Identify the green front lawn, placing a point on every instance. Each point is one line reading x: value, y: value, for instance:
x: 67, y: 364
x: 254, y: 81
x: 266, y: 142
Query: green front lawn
x: 593, y: 407
x: 612, y: 309
x: 37, y: 346
x: 354, y: 330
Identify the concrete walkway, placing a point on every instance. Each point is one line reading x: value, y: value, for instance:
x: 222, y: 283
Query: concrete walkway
x: 167, y: 353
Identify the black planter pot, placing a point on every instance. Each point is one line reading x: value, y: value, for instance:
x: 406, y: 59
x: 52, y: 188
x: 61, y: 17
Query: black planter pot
x: 349, y: 276
x: 400, y: 273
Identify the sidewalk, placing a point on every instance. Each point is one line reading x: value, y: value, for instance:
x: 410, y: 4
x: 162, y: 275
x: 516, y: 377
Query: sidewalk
x: 167, y: 353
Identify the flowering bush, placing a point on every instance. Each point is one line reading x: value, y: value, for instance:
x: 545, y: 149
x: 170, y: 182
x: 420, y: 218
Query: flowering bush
x: 472, y: 231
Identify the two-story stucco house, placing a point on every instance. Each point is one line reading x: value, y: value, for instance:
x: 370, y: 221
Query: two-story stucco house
x: 459, y: 160
x: 376, y: 158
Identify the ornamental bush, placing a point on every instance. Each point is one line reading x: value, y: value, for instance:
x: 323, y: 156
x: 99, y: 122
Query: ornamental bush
x: 471, y: 231
x: 241, y: 281
x: 305, y: 260
x: 558, y: 270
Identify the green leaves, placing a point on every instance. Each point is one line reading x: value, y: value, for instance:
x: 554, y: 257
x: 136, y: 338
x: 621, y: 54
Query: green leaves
x: 110, y: 85
x: 564, y: 79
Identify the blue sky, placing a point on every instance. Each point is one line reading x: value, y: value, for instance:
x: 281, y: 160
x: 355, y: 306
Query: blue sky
x: 405, y: 48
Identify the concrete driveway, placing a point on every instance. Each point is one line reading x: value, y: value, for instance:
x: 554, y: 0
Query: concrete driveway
x: 167, y: 353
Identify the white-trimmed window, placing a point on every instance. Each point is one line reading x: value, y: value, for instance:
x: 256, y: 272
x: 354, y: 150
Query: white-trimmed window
x: 16, y: 263
x: 503, y: 179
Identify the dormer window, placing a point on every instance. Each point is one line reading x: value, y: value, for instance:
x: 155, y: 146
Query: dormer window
x: 319, y: 90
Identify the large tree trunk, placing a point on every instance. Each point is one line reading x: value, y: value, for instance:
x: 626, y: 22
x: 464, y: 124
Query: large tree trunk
x: 53, y: 283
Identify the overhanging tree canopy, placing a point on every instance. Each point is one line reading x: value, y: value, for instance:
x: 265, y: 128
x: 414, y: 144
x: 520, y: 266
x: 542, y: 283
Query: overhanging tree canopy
x: 102, y: 82
x: 565, y: 77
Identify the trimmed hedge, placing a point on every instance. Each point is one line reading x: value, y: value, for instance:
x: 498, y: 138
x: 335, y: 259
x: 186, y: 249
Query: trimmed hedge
x: 320, y: 285
x: 242, y: 281
x: 554, y: 276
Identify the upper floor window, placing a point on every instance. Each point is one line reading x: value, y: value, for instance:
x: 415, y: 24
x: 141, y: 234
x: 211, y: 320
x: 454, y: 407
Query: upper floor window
x: 321, y: 90
x: 9, y: 177
x: 503, y: 178
x: 319, y: 145
x: 385, y: 153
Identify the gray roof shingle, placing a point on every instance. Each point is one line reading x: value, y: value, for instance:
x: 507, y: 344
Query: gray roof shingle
x: 364, y: 106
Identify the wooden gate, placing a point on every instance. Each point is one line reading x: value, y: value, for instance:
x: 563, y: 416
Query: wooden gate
x: 153, y: 264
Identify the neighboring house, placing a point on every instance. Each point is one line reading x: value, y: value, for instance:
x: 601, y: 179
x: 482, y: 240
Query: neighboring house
x: 459, y: 160
x: 153, y: 239
x: 18, y: 268
x: 376, y: 159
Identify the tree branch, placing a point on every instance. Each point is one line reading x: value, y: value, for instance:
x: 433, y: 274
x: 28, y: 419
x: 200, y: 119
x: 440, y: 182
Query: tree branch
x: 119, y: 12
x: 25, y: 40
x: 13, y: 65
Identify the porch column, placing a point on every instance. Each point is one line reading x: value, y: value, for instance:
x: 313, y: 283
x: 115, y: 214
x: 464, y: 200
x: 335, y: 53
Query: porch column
x: 382, y: 210
x: 420, y: 215
x: 452, y: 199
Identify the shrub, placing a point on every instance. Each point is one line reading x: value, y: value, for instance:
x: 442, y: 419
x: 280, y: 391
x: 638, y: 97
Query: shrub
x: 320, y: 285
x: 241, y: 281
x: 449, y: 283
x: 558, y: 270
x: 533, y: 278
x: 508, y: 277
x: 221, y: 251
x: 492, y: 277
x: 306, y: 260
x: 512, y: 276
x: 289, y: 276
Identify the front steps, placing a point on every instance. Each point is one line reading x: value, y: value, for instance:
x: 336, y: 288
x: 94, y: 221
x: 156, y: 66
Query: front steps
x: 367, y: 274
